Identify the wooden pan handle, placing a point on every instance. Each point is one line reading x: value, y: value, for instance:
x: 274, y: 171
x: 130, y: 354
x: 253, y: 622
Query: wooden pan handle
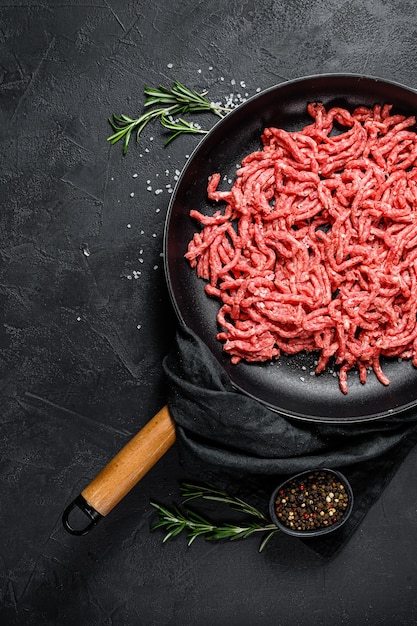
x: 122, y: 473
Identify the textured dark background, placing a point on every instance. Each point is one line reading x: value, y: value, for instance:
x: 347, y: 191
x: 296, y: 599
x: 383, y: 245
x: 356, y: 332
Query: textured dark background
x: 86, y: 320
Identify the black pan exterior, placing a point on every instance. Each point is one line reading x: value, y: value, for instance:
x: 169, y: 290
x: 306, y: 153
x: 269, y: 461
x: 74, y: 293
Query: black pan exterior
x: 288, y: 385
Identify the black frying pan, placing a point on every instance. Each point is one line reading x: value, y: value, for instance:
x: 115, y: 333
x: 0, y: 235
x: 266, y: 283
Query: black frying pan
x: 278, y: 385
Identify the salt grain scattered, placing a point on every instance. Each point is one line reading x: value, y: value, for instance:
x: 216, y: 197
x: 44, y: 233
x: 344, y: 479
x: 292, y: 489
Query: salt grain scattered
x: 128, y: 225
x: 139, y: 326
x: 134, y: 176
x: 132, y: 195
x: 170, y: 65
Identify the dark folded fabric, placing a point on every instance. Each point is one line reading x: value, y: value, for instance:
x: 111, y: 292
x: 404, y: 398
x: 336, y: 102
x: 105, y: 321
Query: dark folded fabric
x: 228, y: 438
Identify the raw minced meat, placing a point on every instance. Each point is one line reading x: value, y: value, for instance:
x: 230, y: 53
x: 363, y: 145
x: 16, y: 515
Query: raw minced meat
x: 315, y: 249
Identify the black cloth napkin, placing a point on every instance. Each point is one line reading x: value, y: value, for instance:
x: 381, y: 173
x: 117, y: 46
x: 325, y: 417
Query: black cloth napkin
x: 235, y: 442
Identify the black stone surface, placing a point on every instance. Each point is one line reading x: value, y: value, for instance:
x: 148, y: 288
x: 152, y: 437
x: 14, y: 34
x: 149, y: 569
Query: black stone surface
x: 86, y: 319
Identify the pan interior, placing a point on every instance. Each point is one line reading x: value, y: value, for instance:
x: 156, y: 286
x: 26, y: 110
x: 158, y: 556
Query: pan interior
x: 289, y: 384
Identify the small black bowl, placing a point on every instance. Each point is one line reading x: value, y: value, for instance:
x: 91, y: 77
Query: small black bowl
x: 298, y: 506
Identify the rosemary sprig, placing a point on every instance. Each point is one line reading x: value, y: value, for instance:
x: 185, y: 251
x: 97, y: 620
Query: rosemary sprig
x: 177, y: 520
x: 168, y: 103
